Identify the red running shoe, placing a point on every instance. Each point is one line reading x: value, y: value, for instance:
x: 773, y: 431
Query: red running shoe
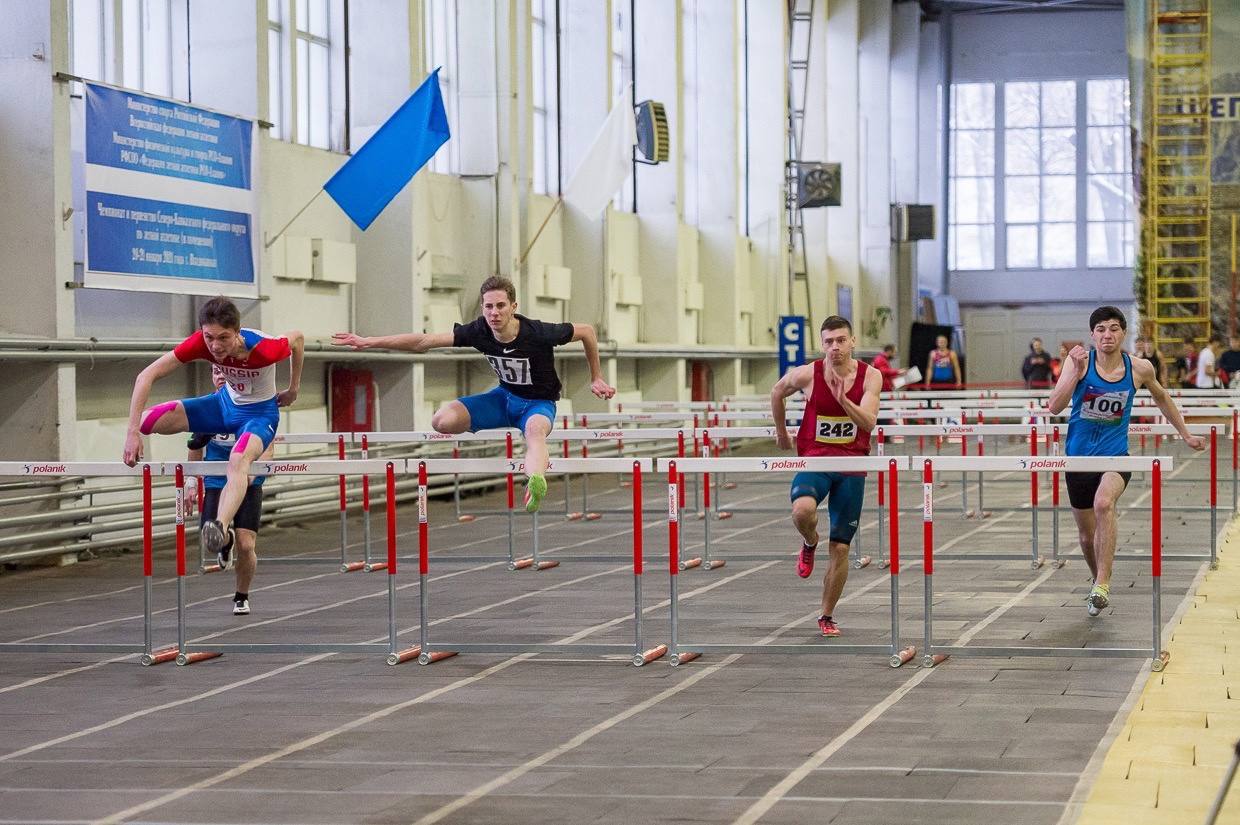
x: 828, y: 626
x: 805, y: 561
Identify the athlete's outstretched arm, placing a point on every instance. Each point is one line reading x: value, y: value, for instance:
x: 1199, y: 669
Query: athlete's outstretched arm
x: 589, y: 342
x: 865, y: 414
x: 164, y: 365
x: 1070, y: 373
x: 297, y: 344
x: 409, y: 341
x: 797, y: 378
x: 1144, y: 373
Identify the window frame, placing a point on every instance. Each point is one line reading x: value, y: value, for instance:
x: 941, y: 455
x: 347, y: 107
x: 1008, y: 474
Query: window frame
x: 954, y: 175
x: 440, y: 42
x: 546, y: 176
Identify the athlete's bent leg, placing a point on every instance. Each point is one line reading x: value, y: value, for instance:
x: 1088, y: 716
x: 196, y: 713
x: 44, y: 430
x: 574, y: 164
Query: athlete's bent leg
x: 1085, y: 528
x: 537, y: 428
x: 452, y: 417
x: 246, y: 558
x: 164, y: 419
x: 1109, y: 490
x: 835, y: 578
x: 805, y: 517
x: 249, y: 448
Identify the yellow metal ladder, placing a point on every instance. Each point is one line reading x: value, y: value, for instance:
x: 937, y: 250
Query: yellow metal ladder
x: 1177, y: 219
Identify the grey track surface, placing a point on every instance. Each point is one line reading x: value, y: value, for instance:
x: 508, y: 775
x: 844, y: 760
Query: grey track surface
x: 571, y: 738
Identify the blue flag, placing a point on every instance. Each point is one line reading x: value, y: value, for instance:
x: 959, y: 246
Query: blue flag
x: 380, y: 169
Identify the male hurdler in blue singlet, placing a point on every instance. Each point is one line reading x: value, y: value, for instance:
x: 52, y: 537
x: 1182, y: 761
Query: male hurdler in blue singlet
x: 1100, y: 385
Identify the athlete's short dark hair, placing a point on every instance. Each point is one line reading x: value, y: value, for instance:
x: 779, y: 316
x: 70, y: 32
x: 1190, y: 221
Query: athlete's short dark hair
x: 499, y: 282
x: 836, y: 322
x: 1216, y: 339
x: 220, y: 310
x: 889, y: 348
x: 1107, y: 313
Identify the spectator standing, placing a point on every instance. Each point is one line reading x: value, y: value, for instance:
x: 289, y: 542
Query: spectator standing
x: 1144, y: 348
x: 1036, y: 370
x: 1207, y: 374
x: 882, y: 363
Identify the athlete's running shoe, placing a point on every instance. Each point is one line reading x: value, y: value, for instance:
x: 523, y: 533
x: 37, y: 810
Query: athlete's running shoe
x: 241, y: 607
x: 1098, y: 599
x: 828, y: 626
x: 535, y: 489
x: 217, y: 540
x: 805, y: 561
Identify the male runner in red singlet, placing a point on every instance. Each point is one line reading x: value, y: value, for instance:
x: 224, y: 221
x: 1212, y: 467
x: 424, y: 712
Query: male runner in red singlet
x: 840, y: 413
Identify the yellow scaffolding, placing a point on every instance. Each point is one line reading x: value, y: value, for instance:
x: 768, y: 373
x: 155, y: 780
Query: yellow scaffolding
x: 1177, y: 219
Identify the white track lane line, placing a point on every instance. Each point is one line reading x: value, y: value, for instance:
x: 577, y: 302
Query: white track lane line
x: 296, y: 747
x: 585, y: 736
x: 780, y: 790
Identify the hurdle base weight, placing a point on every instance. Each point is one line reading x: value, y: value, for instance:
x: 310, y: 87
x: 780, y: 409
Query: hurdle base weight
x: 936, y: 659
x: 465, y: 519
x: 546, y: 565
x: 521, y: 564
x: 722, y: 515
x: 714, y: 564
x: 682, y: 658
x: 574, y: 516
x: 904, y: 656
x: 435, y: 656
x: 689, y: 564
x: 593, y: 516
x: 1037, y: 563
x: 352, y: 566
x: 158, y: 657
x: 864, y: 561
x: 1158, y: 664
x: 209, y: 568
x: 648, y: 656
x: 404, y: 655
x: 184, y: 659
x: 377, y: 566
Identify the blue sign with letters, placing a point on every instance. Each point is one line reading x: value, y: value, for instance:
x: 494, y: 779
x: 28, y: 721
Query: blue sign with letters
x: 791, y: 342
x: 126, y: 130
x: 140, y: 236
x: 168, y: 193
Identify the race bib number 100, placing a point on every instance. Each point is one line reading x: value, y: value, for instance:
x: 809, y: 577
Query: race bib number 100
x: 1104, y: 407
x: 835, y: 430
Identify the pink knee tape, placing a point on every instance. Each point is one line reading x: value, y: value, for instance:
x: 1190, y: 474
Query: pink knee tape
x: 241, y: 442
x: 157, y: 412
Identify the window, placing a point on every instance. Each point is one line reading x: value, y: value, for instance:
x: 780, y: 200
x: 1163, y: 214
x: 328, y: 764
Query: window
x: 276, y: 66
x: 689, y: 149
x: 147, y: 45
x: 621, y: 76
x: 1039, y: 165
x: 441, y: 52
x: 544, y: 57
x: 1108, y: 175
x: 971, y: 177
x: 305, y: 72
x: 91, y: 39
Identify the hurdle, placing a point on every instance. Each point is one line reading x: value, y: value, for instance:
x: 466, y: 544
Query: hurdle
x: 711, y: 506
x: 934, y: 654
x: 428, y: 651
x: 682, y: 652
x: 190, y: 653
x: 148, y: 655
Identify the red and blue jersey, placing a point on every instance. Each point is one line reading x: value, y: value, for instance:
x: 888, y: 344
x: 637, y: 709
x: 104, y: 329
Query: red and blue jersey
x: 250, y: 380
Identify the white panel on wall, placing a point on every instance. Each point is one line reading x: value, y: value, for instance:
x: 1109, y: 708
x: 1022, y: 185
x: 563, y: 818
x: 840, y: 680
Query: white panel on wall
x: 694, y: 295
x: 334, y: 261
x: 628, y: 289
x: 557, y: 282
x: 292, y: 257
x: 440, y: 315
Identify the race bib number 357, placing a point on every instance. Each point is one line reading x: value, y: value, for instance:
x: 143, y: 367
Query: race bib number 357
x: 1103, y: 407
x: 835, y: 430
x: 511, y: 370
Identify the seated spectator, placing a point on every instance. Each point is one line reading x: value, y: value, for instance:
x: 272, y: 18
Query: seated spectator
x: 1207, y: 374
x: 1144, y: 348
